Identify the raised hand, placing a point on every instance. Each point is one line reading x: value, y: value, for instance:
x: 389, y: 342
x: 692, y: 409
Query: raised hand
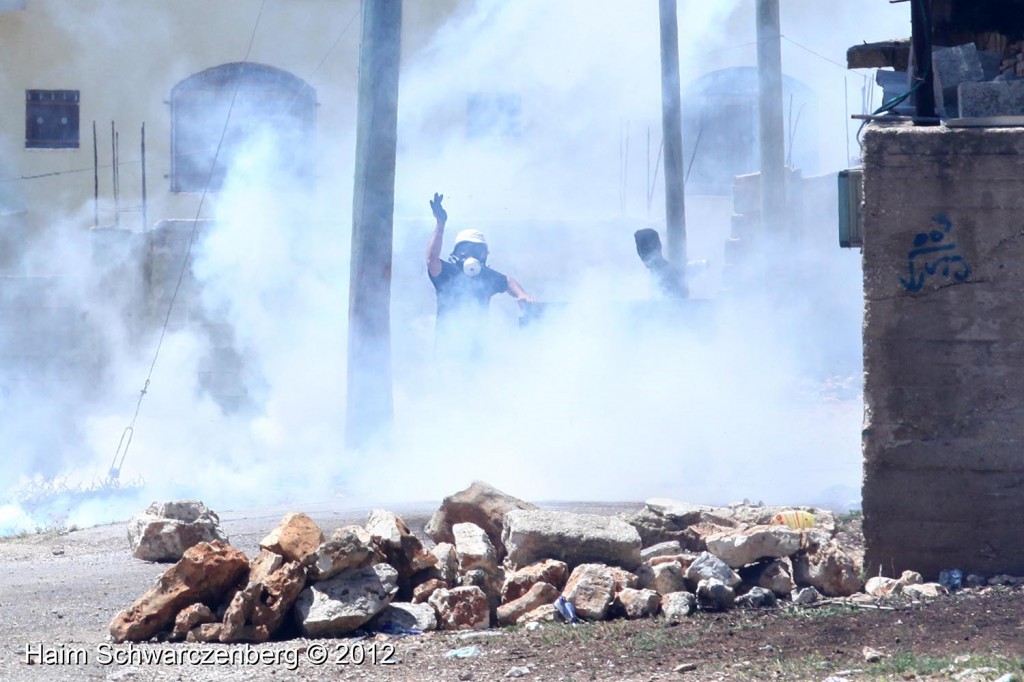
x: 435, y: 206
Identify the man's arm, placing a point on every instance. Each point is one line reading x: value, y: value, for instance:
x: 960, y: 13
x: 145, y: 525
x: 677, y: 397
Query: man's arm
x: 434, y: 245
x: 516, y: 291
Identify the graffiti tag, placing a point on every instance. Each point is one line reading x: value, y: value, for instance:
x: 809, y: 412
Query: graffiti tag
x: 932, y: 254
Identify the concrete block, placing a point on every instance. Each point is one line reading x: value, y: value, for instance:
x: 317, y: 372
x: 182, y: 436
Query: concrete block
x: 999, y: 98
x: 894, y: 84
x: 990, y: 62
x: 944, y: 476
x: 951, y: 67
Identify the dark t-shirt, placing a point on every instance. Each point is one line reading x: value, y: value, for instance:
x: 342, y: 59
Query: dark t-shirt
x: 456, y: 290
x: 668, y: 277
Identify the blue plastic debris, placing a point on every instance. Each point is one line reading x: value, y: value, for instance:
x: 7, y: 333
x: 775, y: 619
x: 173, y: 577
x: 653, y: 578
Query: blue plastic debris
x: 399, y: 631
x: 464, y: 652
x: 567, y: 610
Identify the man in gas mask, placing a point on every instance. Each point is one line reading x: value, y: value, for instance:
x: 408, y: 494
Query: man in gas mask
x: 464, y: 283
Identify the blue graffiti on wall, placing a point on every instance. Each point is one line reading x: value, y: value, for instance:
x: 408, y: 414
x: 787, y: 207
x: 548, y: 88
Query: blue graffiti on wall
x: 933, y: 254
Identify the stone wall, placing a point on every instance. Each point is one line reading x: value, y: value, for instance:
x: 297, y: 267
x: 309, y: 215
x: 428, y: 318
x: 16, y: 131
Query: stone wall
x: 943, y: 350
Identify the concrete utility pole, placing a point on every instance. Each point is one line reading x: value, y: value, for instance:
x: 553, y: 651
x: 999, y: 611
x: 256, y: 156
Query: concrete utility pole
x: 672, y: 133
x: 772, y: 135
x: 370, y: 409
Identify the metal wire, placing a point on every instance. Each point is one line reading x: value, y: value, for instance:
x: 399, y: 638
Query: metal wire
x: 126, y: 436
x: 129, y: 432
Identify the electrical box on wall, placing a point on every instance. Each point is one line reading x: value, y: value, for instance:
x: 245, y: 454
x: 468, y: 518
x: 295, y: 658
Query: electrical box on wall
x: 851, y: 216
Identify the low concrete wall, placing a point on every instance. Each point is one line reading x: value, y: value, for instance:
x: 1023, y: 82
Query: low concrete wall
x: 944, y: 350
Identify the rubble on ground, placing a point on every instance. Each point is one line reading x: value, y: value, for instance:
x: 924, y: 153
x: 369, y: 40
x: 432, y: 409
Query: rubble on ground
x: 670, y: 560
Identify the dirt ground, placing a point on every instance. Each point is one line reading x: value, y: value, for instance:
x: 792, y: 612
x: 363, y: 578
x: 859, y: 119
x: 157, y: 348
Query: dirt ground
x: 59, y: 592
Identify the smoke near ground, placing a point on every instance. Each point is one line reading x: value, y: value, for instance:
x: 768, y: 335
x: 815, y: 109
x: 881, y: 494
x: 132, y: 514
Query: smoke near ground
x: 752, y: 392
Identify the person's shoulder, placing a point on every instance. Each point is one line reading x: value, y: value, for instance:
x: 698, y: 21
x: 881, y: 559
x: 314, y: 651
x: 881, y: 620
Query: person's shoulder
x: 497, y: 280
x: 494, y: 276
x: 491, y: 272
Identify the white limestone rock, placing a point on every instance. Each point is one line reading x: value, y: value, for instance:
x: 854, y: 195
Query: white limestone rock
x: 531, y: 536
x: 349, y: 547
x: 714, y: 595
x: 473, y: 548
x: 678, y: 605
x: 166, y: 529
x: 461, y: 608
x: 591, y: 589
x: 341, y: 604
x: 752, y: 544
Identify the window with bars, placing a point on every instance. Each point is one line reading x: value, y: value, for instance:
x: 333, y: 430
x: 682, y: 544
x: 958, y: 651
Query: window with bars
x: 51, y: 119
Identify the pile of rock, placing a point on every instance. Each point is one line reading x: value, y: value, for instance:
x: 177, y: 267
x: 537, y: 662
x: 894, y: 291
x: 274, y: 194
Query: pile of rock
x: 496, y: 560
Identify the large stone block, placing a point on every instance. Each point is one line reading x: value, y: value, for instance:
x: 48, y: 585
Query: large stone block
x: 204, y: 573
x: 953, y: 66
x: 991, y: 98
x: 480, y: 504
x: 341, y: 604
x: 531, y: 536
x: 166, y: 529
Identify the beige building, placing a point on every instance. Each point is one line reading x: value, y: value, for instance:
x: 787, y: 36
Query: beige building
x: 82, y: 79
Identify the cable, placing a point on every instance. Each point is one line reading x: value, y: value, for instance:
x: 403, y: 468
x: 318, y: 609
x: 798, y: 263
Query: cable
x: 926, y: 60
x: 115, y: 467
x: 820, y: 56
x: 126, y: 436
x: 922, y: 68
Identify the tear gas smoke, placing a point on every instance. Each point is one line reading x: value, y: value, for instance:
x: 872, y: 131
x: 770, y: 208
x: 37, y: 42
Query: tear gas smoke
x: 755, y: 394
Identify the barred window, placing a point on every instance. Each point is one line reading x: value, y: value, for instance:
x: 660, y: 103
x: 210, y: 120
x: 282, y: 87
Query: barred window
x: 51, y: 119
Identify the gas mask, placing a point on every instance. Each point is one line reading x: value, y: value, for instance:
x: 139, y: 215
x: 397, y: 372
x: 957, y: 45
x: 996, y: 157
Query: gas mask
x: 470, y: 257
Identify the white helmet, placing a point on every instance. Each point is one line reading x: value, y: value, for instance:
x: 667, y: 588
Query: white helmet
x: 475, y: 236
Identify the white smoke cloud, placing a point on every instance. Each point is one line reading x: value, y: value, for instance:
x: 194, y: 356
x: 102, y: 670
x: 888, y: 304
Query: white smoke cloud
x: 758, y: 397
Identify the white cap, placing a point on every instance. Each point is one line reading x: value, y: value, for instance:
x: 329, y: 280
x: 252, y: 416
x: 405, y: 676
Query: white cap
x: 475, y: 236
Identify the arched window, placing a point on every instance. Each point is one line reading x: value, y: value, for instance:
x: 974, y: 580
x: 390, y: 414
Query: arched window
x: 265, y: 104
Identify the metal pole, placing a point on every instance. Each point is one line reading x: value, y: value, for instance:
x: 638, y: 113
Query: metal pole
x: 369, y: 404
x: 115, y: 174
x: 772, y: 135
x: 672, y: 132
x: 924, y: 96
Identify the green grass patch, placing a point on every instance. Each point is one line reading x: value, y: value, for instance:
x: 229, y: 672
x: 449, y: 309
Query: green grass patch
x: 906, y: 662
x: 852, y: 515
x: 621, y: 636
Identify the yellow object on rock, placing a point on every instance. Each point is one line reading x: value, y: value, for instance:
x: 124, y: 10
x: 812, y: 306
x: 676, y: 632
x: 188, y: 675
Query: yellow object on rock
x: 794, y: 518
